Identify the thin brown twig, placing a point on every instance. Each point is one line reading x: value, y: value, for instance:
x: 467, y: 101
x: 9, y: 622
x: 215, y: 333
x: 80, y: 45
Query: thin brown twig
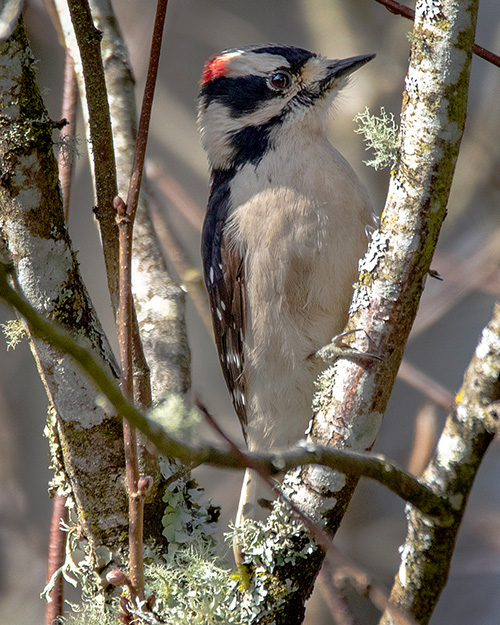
x: 66, y: 152
x: 147, y: 104
x: 400, y: 9
x: 89, y: 43
x: 136, y: 504
x: 187, y: 274
x: 334, y: 598
x: 57, y: 546
x: 431, y: 389
x: 130, y: 343
x: 425, y: 438
x: 357, y: 463
x: 472, y: 272
x: 175, y: 193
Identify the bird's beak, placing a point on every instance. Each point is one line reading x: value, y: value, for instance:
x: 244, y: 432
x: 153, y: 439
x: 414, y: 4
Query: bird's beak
x: 344, y: 67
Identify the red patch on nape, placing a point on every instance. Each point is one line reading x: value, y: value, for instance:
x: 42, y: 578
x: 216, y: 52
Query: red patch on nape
x: 214, y: 68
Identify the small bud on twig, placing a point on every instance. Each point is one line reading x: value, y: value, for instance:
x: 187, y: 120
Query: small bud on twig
x: 144, y: 485
x: 117, y: 578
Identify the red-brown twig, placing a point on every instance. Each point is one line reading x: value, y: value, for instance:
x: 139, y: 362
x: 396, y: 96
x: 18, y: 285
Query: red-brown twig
x: 125, y: 325
x: 400, y: 9
x: 69, y: 105
x: 431, y: 389
x: 130, y: 344
x: 173, y: 190
x: 334, y: 598
x: 57, y: 545
x: 147, y: 104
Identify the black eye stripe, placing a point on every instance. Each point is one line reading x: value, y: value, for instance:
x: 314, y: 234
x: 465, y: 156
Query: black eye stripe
x: 241, y: 95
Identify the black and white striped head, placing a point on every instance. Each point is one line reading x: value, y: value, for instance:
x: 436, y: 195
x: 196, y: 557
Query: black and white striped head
x: 249, y: 94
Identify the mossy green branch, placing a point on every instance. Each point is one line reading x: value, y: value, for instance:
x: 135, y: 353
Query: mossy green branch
x: 359, y: 464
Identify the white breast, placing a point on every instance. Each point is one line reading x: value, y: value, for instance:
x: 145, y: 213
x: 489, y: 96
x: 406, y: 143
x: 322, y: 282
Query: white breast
x: 299, y: 219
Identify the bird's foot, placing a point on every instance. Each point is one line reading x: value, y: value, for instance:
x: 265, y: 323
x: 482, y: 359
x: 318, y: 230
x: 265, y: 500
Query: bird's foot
x: 338, y: 349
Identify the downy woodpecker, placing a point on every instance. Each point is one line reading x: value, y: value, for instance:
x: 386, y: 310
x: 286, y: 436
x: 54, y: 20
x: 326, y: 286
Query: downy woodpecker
x: 283, y: 232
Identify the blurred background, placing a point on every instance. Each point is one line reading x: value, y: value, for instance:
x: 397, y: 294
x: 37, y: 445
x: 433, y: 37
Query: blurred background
x: 451, y: 316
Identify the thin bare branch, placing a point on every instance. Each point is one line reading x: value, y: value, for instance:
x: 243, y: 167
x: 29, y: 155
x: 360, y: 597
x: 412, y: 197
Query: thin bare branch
x: 130, y: 343
x: 175, y: 193
x: 424, y: 440
x: 67, y: 149
x: 426, y: 385
x: 89, y: 38
x: 147, y: 105
x: 57, y: 547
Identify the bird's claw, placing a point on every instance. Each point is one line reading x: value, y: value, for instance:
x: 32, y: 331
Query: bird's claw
x: 338, y: 349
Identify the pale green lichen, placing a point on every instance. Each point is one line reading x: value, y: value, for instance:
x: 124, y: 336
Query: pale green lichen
x: 381, y: 134
x: 194, y: 587
x: 187, y: 519
x: 59, y: 484
x: 178, y: 421
x: 14, y: 331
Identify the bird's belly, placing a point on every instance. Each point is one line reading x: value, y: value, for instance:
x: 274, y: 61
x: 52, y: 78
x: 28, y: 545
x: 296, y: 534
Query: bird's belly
x: 299, y: 276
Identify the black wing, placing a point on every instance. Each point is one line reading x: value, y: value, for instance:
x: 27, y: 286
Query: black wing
x: 225, y: 281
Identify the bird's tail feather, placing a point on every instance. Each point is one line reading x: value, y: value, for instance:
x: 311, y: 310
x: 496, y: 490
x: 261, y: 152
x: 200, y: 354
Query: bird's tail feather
x: 254, y: 504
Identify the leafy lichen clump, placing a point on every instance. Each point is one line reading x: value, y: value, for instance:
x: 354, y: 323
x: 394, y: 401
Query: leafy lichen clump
x: 192, y: 585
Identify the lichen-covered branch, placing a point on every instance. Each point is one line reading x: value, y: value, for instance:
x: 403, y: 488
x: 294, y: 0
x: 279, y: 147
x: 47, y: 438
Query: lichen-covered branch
x: 33, y: 232
x: 354, y: 396
x: 429, y: 545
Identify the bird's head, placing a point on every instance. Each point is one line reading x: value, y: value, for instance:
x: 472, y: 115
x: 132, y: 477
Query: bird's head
x: 249, y: 95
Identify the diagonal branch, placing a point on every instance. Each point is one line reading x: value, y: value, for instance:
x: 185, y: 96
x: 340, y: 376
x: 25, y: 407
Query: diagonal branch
x: 359, y: 464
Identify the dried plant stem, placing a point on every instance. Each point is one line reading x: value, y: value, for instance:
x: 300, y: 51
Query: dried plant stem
x: 125, y: 330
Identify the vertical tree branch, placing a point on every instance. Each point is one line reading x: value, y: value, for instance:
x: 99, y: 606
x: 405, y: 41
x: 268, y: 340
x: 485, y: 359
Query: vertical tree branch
x: 57, y: 537
x: 128, y: 327
x: 34, y: 234
x: 427, y: 551
x: 89, y: 42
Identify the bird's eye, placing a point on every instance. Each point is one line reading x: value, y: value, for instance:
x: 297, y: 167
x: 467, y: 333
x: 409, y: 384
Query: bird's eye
x: 281, y: 79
